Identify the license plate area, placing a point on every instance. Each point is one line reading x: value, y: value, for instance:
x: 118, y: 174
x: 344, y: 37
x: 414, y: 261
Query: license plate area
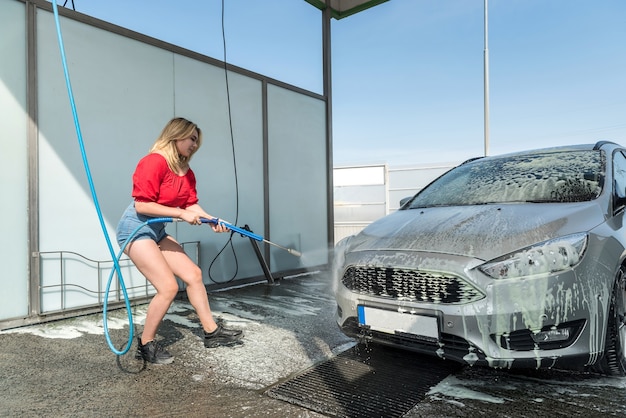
x: 421, y: 327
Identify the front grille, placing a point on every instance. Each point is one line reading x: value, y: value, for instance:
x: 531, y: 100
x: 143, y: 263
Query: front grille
x: 410, y: 285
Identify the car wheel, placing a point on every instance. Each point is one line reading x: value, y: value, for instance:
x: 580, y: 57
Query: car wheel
x: 614, y: 361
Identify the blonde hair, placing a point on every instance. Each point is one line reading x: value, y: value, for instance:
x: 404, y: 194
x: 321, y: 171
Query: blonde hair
x: 175, y: 130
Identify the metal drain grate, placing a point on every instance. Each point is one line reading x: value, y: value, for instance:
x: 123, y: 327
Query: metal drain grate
x: 360, y: 382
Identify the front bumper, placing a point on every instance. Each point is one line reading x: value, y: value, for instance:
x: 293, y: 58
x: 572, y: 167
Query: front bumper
x: 483, y: 321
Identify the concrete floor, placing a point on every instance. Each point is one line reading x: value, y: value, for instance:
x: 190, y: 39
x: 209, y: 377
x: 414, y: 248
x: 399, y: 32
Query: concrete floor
x: 65, y: 368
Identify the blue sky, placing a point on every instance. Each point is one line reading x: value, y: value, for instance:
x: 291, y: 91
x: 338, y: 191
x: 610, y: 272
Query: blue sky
x: 408, y: 74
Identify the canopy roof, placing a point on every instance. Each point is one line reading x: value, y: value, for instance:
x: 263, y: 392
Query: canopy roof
x: 345, y: 8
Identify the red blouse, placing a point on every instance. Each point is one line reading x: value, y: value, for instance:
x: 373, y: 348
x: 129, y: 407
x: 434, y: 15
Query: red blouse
x: 153, y: 181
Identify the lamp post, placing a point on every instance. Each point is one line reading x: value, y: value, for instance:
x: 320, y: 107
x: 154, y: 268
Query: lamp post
x: 486, y: 80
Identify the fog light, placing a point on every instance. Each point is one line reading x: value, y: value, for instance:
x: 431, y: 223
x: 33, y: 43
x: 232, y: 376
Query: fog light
x: 552, y: 335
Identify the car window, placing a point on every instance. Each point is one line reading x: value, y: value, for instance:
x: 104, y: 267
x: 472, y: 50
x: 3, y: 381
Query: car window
x: 568, y: 176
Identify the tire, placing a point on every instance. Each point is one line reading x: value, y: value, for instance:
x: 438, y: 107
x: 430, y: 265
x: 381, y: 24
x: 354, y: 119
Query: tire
x: 614, y: 360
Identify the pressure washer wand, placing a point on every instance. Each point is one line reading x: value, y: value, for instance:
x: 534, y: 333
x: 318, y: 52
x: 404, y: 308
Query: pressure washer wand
x: 250, y: 234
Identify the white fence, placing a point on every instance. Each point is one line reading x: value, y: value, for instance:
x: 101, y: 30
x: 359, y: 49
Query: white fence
x: 365, y: 193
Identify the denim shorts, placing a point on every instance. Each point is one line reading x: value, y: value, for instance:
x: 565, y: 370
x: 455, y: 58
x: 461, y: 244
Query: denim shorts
x: 131, y: 220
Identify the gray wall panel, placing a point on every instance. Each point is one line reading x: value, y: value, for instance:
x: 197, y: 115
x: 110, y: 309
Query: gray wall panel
x: 201, y: 96
x: 13, y: 162
x: 297, y: 178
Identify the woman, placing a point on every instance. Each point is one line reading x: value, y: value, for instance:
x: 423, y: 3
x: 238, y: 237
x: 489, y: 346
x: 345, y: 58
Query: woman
x: 165, y: 186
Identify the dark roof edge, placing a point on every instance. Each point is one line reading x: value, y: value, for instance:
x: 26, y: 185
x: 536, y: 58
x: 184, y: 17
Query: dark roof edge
x: 340, y: 14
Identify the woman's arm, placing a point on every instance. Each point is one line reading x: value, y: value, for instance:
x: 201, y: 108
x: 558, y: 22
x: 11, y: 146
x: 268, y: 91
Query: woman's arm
x: 197, y: 209
x: 158, y: 210
x: 191, y: 214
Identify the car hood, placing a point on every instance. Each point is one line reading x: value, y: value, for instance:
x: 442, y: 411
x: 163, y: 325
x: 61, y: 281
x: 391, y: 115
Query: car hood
x: 484, y: 232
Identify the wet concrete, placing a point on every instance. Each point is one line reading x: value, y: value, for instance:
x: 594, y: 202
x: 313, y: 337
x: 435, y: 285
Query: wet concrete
x: 65, y: 368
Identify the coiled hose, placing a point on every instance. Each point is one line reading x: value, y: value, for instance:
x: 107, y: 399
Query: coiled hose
x: 105, y: 322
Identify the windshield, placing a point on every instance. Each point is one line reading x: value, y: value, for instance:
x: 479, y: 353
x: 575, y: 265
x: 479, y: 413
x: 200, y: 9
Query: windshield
x: 568, y: 176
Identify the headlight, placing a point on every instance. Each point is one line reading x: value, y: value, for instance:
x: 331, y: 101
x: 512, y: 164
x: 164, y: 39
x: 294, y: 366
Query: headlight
x: 547, y: 257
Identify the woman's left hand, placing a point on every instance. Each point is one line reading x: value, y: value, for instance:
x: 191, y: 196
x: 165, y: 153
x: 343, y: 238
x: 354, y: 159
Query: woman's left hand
x: 219, y: 227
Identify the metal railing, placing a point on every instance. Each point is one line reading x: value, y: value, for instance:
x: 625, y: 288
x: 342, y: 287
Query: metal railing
x: 100, y: 266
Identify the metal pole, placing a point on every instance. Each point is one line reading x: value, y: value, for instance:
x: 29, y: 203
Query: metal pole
x: 328, y: 96
x: 486, y: 80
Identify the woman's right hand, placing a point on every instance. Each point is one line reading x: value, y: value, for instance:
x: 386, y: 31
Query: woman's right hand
x: 190, y: 217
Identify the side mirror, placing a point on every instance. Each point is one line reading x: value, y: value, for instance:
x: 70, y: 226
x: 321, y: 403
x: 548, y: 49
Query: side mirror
x: 404, y: 200
x: 619, y: 196
x: 619, y: 201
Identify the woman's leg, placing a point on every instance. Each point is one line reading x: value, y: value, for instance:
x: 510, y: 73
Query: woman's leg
x: 184, y: 268
x: 148, y: 258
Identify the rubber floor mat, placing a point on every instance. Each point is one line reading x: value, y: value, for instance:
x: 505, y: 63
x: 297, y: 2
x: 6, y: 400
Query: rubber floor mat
x: 365, y: 382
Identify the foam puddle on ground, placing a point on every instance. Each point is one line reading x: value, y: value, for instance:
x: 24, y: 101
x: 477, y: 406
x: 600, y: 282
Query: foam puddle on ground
x: 116, y: 320
x: 279, y: 301
x: 499, y: 387
x: 73, y: 329
x: 77, y: 327
x: 455, y: 388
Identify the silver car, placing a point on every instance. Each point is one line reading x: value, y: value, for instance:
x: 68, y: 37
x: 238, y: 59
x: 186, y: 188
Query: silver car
x: 507, y: 261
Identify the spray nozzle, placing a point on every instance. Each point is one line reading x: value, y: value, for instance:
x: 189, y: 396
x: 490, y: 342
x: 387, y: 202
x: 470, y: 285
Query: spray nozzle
x: 247, y: 233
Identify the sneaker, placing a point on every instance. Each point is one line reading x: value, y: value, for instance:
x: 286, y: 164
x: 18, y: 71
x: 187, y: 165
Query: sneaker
x: 222, y: 337
x: 152, y: 352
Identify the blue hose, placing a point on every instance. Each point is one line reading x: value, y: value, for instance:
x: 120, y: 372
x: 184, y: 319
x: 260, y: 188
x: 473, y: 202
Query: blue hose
x: 105, y: 322
x: 95, y: 199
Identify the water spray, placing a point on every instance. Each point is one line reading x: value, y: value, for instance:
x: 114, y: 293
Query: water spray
x: 250, y: 234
